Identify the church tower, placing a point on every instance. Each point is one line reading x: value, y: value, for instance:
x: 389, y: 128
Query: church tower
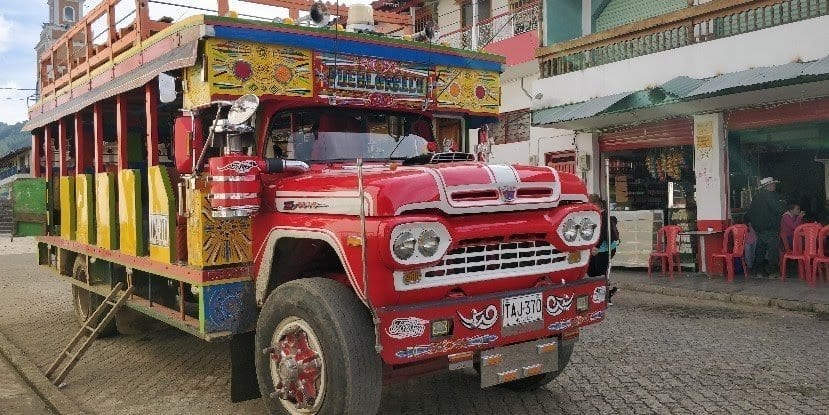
x: 63, y: 14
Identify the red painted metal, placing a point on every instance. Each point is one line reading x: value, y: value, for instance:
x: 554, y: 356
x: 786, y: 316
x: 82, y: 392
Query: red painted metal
x: 151, y: 108
x: 177, y: 272
x: 98, y: 136
x: 187, y: 140
x: 234, y: 182
x: 667, y: 133
x: 121, y: 129
x: 81, y: 156
x: 62, y: 143
x: 781, y: 114
x: 48, y: 150
x: 37, y: 143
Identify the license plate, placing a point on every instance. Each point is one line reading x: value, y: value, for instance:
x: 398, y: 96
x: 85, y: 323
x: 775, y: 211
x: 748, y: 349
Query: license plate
x: 521, y: 309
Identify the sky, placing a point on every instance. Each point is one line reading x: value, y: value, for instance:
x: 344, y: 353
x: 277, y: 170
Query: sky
x: 20, y: 26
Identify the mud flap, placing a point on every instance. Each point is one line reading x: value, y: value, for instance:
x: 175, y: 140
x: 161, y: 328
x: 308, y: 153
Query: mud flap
x: 243, y: 383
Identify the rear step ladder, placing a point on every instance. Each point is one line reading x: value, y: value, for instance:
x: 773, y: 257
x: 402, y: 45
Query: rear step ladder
x: 89, y: 333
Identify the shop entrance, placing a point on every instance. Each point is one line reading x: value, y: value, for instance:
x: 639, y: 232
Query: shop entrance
x: 650, y: 188
x: 797, y: 155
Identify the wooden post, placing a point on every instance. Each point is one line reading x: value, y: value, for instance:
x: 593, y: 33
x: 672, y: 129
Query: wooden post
x: 47, y: 148
x: 64, y: 169
x: 80, y: 146
x: 151, y: 107
x: 98, y: 134
x: 34, y: 164
x: 121, y: 129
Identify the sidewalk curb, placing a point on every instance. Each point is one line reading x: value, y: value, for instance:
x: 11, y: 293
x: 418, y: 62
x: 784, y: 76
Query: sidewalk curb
x: 57, y: 402
x: 793, y: 305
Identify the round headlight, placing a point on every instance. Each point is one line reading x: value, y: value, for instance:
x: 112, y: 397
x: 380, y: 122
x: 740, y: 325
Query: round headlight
x: 404, y: 245
x: 427, y: 242
x: 587, y: 229
x: 569, y: 230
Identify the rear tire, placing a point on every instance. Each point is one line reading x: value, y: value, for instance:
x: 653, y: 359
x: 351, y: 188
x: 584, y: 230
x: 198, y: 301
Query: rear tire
x: 86, y: 302
x: 315, y: 339
x: 535, y: 382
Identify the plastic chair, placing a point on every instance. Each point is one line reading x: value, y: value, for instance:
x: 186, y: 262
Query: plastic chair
x: 787, y: 248
x: 821, y: 258
x: 667, y: 249
x: 736, y: 235
x: 804, y: 248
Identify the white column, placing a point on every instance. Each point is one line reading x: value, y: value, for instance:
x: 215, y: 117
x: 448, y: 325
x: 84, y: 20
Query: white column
x: 586, y: 17
x: 710, y: 167
x: 587, y: 144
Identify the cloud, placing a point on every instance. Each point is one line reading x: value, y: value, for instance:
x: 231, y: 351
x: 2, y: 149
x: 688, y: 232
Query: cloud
x: 6, y: 30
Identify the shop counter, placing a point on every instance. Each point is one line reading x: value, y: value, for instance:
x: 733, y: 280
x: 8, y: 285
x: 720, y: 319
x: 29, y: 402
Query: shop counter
x: 637, y: 230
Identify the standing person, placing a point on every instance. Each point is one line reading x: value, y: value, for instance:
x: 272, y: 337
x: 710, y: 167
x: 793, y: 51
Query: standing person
x: 600, y: 255
x: 791, y: 219
x: 765, y: 213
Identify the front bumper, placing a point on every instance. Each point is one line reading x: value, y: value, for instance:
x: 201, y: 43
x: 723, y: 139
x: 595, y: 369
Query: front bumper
x: 476, y: 323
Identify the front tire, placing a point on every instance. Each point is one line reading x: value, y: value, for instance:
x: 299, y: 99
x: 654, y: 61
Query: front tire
x: 315, y: 351
x: 535, y: 382
x: 86, y: 302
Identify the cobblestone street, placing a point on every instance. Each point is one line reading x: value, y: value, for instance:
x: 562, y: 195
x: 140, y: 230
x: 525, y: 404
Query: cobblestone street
x: 654, y: 354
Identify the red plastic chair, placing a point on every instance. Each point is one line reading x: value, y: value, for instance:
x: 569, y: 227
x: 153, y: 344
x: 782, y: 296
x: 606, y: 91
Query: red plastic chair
x: 735, y: 237
x: 667, y: 250
x: 804, y: 248
x: 821, y: 258
x: 787, y: 248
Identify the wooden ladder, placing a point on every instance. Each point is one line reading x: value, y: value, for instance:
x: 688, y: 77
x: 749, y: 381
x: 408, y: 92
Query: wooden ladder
x: 88, y: 334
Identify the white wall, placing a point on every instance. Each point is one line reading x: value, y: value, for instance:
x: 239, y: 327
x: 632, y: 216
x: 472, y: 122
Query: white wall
x: 710, y: 167
x: 779, y: 45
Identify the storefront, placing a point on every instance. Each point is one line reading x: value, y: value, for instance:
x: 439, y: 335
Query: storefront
x: 789, y: 142
x: 651, y: 185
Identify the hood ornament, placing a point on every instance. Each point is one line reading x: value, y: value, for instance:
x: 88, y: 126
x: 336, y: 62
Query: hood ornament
x: 508, y: 193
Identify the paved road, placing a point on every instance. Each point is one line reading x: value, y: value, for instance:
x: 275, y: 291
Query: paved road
x: 653, y: 354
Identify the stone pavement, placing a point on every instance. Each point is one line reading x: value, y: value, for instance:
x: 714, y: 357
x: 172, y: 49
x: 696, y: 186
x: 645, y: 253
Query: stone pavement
x: 16, y: 397
x: 792, y: 294
x: 653, y: 354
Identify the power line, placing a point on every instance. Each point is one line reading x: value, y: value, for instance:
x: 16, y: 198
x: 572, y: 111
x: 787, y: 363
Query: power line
x: 16, y: 89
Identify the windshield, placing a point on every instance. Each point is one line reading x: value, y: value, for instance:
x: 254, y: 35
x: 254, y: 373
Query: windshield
x: 340, y: 134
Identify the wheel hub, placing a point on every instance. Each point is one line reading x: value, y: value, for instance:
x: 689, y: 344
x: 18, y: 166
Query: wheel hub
x: 296, y: 367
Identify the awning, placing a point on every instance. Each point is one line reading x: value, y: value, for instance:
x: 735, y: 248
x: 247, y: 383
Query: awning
x: 684, y: 95
x: 577, y: 111
x: 180, y: 57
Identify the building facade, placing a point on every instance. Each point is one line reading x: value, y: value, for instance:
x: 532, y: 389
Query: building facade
x: 692, y: 102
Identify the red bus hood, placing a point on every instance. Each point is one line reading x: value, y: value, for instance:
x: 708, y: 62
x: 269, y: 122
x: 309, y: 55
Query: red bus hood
x: 452, y: 188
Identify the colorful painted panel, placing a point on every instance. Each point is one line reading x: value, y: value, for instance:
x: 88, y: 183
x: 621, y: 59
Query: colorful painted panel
x: 469, y: 90
x: 84, y: 201
x: 162, y: 238
x: 345, y: 79
x: 214, y: 241
x: 131, y: 231
x: 237, y: 68
x: 106, y: 235
x: 227, y: 307
x: 67, y: 208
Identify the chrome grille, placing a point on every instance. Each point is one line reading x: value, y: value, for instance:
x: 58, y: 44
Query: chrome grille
x: 496, y: 256
x: 450, y: 157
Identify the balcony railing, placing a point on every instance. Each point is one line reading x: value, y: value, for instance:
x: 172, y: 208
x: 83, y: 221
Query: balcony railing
x: 699, y: 23
x: 497, y: 28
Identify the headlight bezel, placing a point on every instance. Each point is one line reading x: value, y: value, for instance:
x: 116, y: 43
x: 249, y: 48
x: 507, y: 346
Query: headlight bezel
x: 572, y: 226
x: 442, y: 239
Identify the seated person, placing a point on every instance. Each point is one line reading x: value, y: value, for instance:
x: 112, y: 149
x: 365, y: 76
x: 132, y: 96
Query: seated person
x: 791, y: 219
